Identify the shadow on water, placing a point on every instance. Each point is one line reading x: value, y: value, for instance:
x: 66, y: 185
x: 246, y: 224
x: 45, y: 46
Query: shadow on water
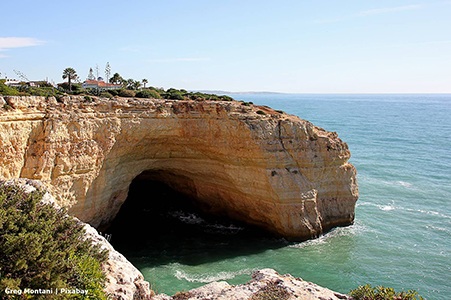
x: 159, y: 225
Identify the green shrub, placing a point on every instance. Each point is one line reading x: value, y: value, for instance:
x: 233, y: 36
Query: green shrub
x: 88, y: 98
x: 174, y: 94
x: 382, y: 293
x: 280, y: 111
x: 106, y: 95
x: 148, y: 94
x: 114, y: 92
x: 245, y: 104
x: 26, y: 90
x: 261, y: 112
x: 227, y: 98
x: 127, y: 93
x: 42, y: 248
x: 8, y: 91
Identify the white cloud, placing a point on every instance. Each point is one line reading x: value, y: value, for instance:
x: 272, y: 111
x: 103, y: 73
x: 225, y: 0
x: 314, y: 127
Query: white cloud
x: 179, y: 59
x: 17, y: 42
x: 386, y: 10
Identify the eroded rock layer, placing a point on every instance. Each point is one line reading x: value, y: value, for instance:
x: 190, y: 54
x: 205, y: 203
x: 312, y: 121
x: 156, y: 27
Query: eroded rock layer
x: 273, y: 170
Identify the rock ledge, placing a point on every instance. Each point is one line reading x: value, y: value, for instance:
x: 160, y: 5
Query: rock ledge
x: 265, y: 284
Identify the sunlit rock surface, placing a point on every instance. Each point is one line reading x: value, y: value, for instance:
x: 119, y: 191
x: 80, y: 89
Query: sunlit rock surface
x: 265, y: 284
x: 272, y: 170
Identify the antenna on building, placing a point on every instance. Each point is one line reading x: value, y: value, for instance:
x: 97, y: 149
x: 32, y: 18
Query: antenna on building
x: 21, y: 75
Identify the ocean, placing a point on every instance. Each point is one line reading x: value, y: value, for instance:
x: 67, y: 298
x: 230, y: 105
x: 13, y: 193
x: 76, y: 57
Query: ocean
x: 401, y: 238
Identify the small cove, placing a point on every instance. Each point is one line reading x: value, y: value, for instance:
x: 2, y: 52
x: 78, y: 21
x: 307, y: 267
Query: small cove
x: 402, y: 234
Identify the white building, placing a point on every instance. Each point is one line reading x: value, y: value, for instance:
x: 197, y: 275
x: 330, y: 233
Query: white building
x: 12, y: 82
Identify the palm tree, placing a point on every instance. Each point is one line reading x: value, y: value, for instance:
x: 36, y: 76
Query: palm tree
x: 130, y: 84
x: 144, y: 81
x: 116, y: 79
x: 70, y: 74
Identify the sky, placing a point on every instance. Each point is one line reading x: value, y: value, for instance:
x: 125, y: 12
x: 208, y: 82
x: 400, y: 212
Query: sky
x: 302, y: 46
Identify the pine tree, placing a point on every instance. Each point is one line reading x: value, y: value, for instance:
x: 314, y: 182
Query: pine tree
x: 107, y: 72
x: 91, y: 75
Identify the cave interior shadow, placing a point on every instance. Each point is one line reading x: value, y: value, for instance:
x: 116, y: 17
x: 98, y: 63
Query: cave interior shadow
x: 158, y: 225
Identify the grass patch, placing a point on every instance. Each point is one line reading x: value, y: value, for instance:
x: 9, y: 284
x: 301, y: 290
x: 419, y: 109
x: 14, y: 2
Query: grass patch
x: 272, y: 291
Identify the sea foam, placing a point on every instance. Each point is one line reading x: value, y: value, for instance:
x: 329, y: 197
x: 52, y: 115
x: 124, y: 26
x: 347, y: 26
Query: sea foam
x: 210, y: 276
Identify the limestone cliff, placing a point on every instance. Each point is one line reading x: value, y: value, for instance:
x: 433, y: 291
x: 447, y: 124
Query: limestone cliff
x: 275, y: 170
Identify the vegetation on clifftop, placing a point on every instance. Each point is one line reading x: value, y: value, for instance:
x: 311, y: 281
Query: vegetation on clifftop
x: 76, y: 89
x: 43, y: 248
x: 367, y: 292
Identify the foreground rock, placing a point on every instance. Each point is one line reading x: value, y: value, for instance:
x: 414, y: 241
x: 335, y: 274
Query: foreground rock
x: 266, y: 284
x: 124, y: 281
x: 247, y: 162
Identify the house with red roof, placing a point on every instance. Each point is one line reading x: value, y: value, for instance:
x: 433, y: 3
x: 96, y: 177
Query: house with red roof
x: 100, y: 84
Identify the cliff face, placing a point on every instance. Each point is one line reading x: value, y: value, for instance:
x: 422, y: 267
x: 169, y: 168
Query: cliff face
x: 275, y: 170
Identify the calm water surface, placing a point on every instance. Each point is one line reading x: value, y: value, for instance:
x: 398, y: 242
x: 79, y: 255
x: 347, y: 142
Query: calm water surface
x: 401, y: 147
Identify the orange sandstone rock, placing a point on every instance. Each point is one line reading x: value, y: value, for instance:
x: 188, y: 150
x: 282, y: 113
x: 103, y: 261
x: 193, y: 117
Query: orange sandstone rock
x: 275, y: 170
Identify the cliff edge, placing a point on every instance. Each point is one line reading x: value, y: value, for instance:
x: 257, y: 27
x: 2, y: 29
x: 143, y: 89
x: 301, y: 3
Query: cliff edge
x: 248, y: 162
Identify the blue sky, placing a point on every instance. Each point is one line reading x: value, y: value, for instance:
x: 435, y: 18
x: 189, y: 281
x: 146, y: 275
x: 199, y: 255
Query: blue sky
x: 321, y: 46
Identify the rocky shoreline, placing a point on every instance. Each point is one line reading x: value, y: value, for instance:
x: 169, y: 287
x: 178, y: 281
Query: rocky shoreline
x: 265, y: 284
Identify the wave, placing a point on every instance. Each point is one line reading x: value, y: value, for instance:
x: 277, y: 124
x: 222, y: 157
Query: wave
x: 430, y: 212
x: 210, y: 277
x: 387, y: 182
x: 403, y: 183
x: 392, y: 206
x: 185, y: 217
x: 339, y: 232
x: 386, y: 207
x: 381, y: 207
x: 194, y: 219
x: 231, y: 229
x: 439, y: 229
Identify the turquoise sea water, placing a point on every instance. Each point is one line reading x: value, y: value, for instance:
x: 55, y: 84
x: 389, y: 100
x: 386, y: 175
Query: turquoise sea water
x: 401, y: 147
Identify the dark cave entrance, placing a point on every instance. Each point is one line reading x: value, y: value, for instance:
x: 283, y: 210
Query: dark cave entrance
x: 158, y: 225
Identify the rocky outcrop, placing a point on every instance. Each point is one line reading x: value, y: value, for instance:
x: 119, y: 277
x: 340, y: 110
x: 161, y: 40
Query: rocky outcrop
x: 265, y: 284
x: 248, y: 162
x: 123, y: 280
